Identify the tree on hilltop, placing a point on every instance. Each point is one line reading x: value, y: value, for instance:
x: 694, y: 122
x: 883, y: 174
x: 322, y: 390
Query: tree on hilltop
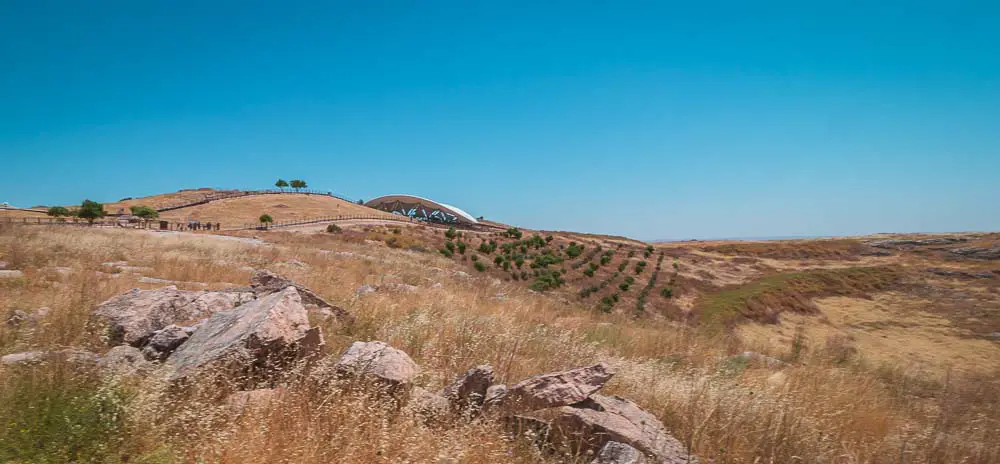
x: 281, y: 184
x: 266, y: 219
x: 298, y: 184
x: 90, y: 210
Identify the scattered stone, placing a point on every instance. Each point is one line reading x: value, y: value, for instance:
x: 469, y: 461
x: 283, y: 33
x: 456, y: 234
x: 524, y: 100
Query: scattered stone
x: 777, y: 380
x: 978, y: 252
x: 614, y: 452
x: 30, y: 357
x: 364, y: 290
x: 295, y: 262
x: 375, y: 360
x: 494, y: 395
x: 589, y: 425
x: 11, y: 274
x: 437, y: 285
x: 3, y: 265
x: 750, y: 356
x: 557, y: 388
x: 954, y: 273
x: 994, y: 336
x: 400, y: 288
x: 248, y: 269
x: 134, y: 316
x: 468, y: 392
x: 462, y: 274
x: 165, y: 341
x: 255, y: 340
x: 124, y: 360
x: 16, y: 318
x: 428, y: 405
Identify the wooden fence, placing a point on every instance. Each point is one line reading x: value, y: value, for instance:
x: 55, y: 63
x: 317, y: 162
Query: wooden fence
x: 321, y: 219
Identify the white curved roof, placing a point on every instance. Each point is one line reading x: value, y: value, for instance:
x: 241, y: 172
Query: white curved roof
x: 446, y: 206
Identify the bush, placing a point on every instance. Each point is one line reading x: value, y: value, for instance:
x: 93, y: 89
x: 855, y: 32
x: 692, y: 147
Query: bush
x: 450, y: 246
x: 58, y: 211
x: 461, y: 247
x: 622, y: 266
x: 475, y: 258
x: 548, y: 238
x: 498, y: 260
x: 333, y: 229
x: 629, y: 280
x: 624, y: 286
x: 446, y: 252
x: 667, y: 292
x: 547, y: 280
x: 545, y: 260
x: 487, y: 247
x: 574, y: 250
x: 519, y: 261
x: 451, y: 233
x: 513, y: 233
x: 588, y: 272
x: 144, y: 212
x: 479, y: 266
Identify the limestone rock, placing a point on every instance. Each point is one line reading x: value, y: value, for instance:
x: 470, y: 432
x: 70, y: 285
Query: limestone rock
x: 557, y: 388
x: 255, y: 340
x: 364, y: 290
x: 264, y: 282
x: 495, y: 395
x: 589, y: 425
x: 70, y: 355
x: 165, y: 341
x: 619, y: 453
x: 375, y: 360
x: 124, y: 360
x: 431, y: 406
x: 11, y: 274
x: 134, y: 316
x: 468, y: 392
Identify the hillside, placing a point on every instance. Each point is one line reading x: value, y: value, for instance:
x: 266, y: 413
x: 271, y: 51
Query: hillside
x: 837, y: 350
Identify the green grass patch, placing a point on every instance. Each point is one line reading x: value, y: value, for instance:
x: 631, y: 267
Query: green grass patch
x: 764, y: 299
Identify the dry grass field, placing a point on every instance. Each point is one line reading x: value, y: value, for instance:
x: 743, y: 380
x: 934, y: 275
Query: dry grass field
x: 235, y: 212
x: 882, y: 363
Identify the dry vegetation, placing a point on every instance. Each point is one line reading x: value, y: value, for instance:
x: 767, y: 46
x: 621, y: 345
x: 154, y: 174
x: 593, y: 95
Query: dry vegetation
x: 826, y: 405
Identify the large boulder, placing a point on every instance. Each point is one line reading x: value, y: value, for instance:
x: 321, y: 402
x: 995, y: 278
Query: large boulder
x: 264, y: 282
x: 556, y: 388
x: 251, y: 342
x: 591, y: 424
x: 134, y: 316
x: 373, y: 361
x: 124, y: 361
x: 468, y: 392
x: 431, y: 406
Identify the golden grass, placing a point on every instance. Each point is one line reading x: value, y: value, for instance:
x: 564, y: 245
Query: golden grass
x: 822, y: 408
x: 235, y: 212
x: 793, y: 249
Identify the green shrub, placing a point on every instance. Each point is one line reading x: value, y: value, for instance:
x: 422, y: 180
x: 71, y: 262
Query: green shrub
x: 667, y: 292
x: 574, y: 250
x: 498, y: 260
x: 461, y: 247
x: 58, y: 211
x: 548, y: 238
x: 624, y: 286
x: 629, y: 280
x: 622, y: 266
x: 519, y: 261
x: 451, y: 233
x: 450, y: 246
x: 475, y: 257
x: 446, y: 252
x: 588, y: 272
x: 144, y: 212
x: 513, y: 233
x: 479, y: 266
x: 333, y: 229
x: 58, y: 414
x: 546, y: 280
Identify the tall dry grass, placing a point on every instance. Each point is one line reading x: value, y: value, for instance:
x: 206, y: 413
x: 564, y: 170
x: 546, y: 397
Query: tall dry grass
x: 826, y: 406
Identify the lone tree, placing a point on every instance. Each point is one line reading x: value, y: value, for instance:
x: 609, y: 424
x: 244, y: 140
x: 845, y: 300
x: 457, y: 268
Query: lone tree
x: 144, y: 212
x: 298, y: 184
x: 281, y: 184
x: 58, y: 211
x: 266, y: 219
x: 90, y: 210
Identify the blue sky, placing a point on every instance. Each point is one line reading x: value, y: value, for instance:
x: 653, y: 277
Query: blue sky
x: 648, y: 119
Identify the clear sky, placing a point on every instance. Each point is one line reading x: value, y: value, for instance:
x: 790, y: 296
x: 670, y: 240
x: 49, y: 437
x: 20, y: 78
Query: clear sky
x: 649, y: 119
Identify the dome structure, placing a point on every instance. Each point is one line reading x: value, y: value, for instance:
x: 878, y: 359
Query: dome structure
x: 421, y: 209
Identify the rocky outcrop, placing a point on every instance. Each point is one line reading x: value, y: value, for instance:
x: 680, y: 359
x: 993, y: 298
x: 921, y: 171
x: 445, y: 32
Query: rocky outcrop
x: 252, y: 342
x: 619, y: 453
x: 371, y: 361
x: 133, y: 317
x: 264, y: 282
x: 468, y: 392
x: 124, y: 361
x: 557, y: 388
x: 978, y: 252
x: 588, y: 426
x: 11, y: 274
